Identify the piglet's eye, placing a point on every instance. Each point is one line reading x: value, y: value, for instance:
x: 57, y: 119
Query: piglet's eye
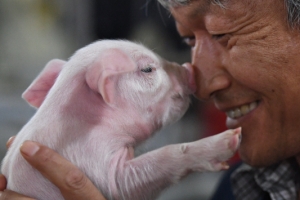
x: 147, y: 70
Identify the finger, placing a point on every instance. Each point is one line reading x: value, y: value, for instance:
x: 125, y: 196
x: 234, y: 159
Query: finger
x: 2, y: 182
x: 9, y: 195
x: 10, y: 141
x: 72, y: 183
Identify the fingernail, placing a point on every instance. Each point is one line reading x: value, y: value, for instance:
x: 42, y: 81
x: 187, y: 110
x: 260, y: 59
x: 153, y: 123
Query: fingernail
x: 10, y: 140
x: 29, y: 148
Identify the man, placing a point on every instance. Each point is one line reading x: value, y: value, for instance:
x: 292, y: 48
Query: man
x: 245, y: 54
x: 246, y: 58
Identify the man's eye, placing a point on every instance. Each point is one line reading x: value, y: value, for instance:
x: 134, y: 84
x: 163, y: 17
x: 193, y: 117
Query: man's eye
x: 222, y: 38
x: 190, y: 41
x: 218, y: 36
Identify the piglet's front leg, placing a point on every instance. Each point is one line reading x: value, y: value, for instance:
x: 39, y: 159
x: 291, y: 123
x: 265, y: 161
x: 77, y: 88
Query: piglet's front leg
x: 145, y: 176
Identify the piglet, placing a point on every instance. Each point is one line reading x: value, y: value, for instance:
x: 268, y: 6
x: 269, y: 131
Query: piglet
x: 94, y: 109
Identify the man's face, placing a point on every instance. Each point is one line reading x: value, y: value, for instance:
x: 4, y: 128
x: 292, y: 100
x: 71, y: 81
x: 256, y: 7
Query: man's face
x: 247, y: 60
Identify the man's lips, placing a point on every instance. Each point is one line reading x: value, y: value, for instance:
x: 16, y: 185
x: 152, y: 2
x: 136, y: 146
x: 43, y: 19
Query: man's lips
x: 236, y: 115
x: 240, y: 111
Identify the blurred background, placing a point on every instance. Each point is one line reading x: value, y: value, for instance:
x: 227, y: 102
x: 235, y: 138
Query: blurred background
x: 32, y: 32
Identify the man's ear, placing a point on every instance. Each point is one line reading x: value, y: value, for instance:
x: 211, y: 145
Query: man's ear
x: 103, y: 75
x: 36, y: 93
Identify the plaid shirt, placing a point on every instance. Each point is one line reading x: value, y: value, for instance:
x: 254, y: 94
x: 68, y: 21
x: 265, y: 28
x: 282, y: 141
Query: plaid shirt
x: 277, y: 182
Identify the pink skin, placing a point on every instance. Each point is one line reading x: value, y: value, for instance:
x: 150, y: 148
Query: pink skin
x: 95, y: 108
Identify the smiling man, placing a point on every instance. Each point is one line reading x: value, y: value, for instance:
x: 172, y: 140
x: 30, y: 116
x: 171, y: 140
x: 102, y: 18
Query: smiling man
x: 245, y: 54
x: 246, y: 57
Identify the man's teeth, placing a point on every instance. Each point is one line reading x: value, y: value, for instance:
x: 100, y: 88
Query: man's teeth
x: 241, y: 111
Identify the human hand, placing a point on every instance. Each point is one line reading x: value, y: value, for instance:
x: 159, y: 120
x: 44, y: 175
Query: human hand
x: 9, y: 194
x: 2, y: 178
x: 72, y: 183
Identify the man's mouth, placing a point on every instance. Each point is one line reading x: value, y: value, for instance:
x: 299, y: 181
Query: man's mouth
x: 242, y: 110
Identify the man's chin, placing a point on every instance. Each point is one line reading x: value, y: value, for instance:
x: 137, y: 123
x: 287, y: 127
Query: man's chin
x: 258, y: 160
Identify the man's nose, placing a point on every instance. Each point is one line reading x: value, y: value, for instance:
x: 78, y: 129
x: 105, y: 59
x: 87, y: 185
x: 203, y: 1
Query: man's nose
x: 208, y: 57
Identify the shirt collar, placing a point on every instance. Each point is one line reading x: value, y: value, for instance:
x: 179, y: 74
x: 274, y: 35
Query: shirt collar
x: 279, y: 181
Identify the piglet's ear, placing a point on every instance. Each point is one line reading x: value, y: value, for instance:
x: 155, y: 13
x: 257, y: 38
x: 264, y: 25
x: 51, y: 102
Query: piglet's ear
x: 39, y: 88
x: 105, y: 72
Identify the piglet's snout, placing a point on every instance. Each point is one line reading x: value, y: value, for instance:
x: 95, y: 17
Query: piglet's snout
x: 184, y: 75
x: 190, y: 77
